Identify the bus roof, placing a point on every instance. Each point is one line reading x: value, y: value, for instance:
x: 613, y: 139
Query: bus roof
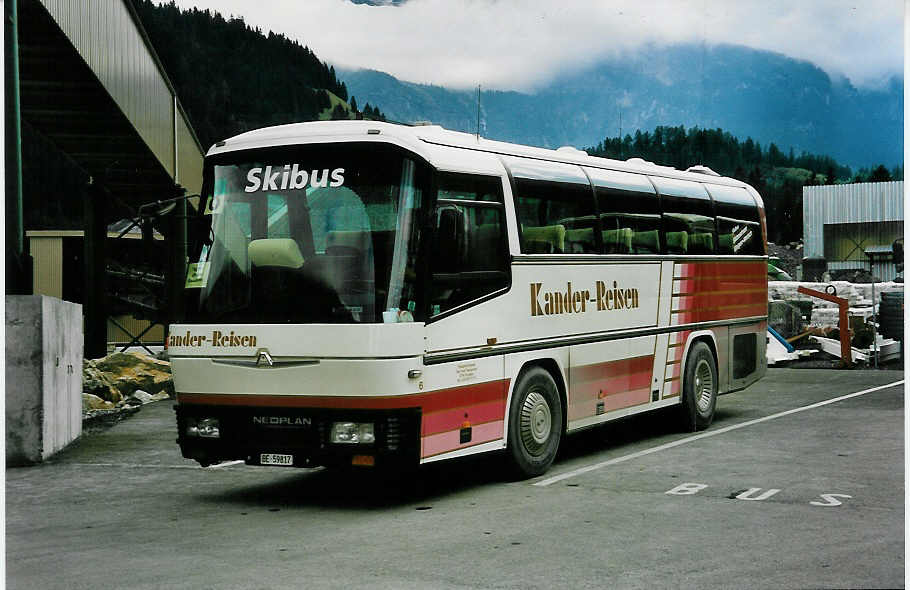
x: 436, y: 145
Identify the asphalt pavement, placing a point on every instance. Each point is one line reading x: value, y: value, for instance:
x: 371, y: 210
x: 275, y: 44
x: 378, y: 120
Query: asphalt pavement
x: 799, y: 483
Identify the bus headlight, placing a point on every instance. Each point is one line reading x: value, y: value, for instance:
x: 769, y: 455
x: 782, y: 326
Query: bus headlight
x: 203, y: 427
x: 352, y: 433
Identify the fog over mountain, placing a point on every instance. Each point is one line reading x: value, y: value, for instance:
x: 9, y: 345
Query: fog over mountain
x: 750, y: 93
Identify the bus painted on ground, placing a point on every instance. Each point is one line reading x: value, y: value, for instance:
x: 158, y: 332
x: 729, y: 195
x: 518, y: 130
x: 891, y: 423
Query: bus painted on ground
x: 366, y: 293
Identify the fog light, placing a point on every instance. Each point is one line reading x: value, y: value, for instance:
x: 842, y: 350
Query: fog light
x: 352, y: 433
x: 204, y: 427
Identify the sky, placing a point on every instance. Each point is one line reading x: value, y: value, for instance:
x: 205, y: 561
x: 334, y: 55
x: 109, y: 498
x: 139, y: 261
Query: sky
x: 522, y: 44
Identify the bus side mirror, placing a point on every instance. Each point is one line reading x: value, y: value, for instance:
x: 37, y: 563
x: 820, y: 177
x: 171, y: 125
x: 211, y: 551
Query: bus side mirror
x: 450, y: 240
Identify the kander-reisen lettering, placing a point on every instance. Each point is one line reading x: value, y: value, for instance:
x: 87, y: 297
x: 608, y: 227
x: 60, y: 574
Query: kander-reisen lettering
x: 574, y: 301
x: 217, y: 339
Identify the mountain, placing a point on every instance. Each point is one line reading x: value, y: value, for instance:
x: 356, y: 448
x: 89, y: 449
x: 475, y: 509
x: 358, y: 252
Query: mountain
x: 767, y: 96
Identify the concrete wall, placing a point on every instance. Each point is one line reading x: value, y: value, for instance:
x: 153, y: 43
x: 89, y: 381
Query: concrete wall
x: 43, y: 376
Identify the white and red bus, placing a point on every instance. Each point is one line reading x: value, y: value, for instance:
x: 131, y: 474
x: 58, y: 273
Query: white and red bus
x: 368, y: 293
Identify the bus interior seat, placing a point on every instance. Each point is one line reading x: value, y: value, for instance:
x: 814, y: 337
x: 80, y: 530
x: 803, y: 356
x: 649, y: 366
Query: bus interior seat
x: 701, y: 243
x: 546, y: 239
x: 677, y: 242
x: 725, y: 243
x: 618, y: 241
x: 646, y: 241
x: 580, y: 241
x: 278, y: 279
x: 276, y: 252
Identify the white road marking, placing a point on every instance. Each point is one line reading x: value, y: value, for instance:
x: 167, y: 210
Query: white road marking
x: 227, y: 464
x: 676, y: 443
x: 830, y: 500
x: 687, y: 489
x: 747, y: 495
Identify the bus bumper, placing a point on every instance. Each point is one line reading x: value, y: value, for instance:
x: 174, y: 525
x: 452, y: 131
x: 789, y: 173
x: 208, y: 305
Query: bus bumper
x: 298, y: 437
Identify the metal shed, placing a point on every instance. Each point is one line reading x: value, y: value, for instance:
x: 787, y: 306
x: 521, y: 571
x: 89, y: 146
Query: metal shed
x: 85, y: 79
x: 842, y: 222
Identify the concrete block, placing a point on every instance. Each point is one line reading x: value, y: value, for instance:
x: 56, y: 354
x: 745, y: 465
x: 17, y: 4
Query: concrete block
x: 44, y: 349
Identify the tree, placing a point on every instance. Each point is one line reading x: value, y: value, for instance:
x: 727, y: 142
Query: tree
x: 223, y: 91
x: 339, y: 112
x: 880, y: 174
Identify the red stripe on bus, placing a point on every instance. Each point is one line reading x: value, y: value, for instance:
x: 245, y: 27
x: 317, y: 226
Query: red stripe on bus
x: 445, y: 442
x: 721, y: 267
x: 434, y: 401
x: 705, y: 315
x: 617, y: 384
x: 611, y: 369
x: 626, y: 399
x: 708, y: 287
x: 453, y: 419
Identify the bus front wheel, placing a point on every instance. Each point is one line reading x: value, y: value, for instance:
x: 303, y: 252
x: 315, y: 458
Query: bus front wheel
x: 699, y: 388
x: 535, y: 423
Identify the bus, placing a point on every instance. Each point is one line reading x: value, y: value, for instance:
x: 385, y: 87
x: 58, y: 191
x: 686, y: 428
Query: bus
x: 371, y: 294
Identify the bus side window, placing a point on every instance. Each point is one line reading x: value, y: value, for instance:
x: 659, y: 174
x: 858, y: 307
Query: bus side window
x: 556, y: 218
x: 687, y: 214
x: 738, y: 224
x: 629, y: 212
x: 555, y: 207
x: 469, y: 256
x: 737, y: 236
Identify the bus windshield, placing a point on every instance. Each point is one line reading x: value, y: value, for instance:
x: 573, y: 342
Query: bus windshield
x: 310, y: 234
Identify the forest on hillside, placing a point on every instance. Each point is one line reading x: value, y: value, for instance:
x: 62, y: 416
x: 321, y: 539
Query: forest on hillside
x: 232, y: 78
x: 779, y: 177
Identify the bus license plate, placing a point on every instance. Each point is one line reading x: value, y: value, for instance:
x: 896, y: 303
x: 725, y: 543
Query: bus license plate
x: 273, y: 459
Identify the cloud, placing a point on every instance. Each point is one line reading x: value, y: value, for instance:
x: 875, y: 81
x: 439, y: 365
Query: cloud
x: 521, y: 44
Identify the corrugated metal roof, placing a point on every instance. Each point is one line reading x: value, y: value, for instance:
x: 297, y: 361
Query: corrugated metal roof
x: 108, y: 37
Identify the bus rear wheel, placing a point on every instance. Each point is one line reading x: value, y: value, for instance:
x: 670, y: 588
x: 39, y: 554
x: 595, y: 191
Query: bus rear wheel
x: 535, y: 423
x: 699, y: 388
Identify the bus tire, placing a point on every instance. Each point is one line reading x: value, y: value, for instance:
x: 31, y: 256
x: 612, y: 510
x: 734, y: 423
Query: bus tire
x: 535, y: 423
x: 699, y: 388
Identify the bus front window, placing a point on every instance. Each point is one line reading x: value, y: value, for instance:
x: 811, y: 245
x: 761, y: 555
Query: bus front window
x: 312, y: 234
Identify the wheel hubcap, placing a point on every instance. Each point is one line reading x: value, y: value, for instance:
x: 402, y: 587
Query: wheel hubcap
x: 704, y: 386
x: 536, y: 422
